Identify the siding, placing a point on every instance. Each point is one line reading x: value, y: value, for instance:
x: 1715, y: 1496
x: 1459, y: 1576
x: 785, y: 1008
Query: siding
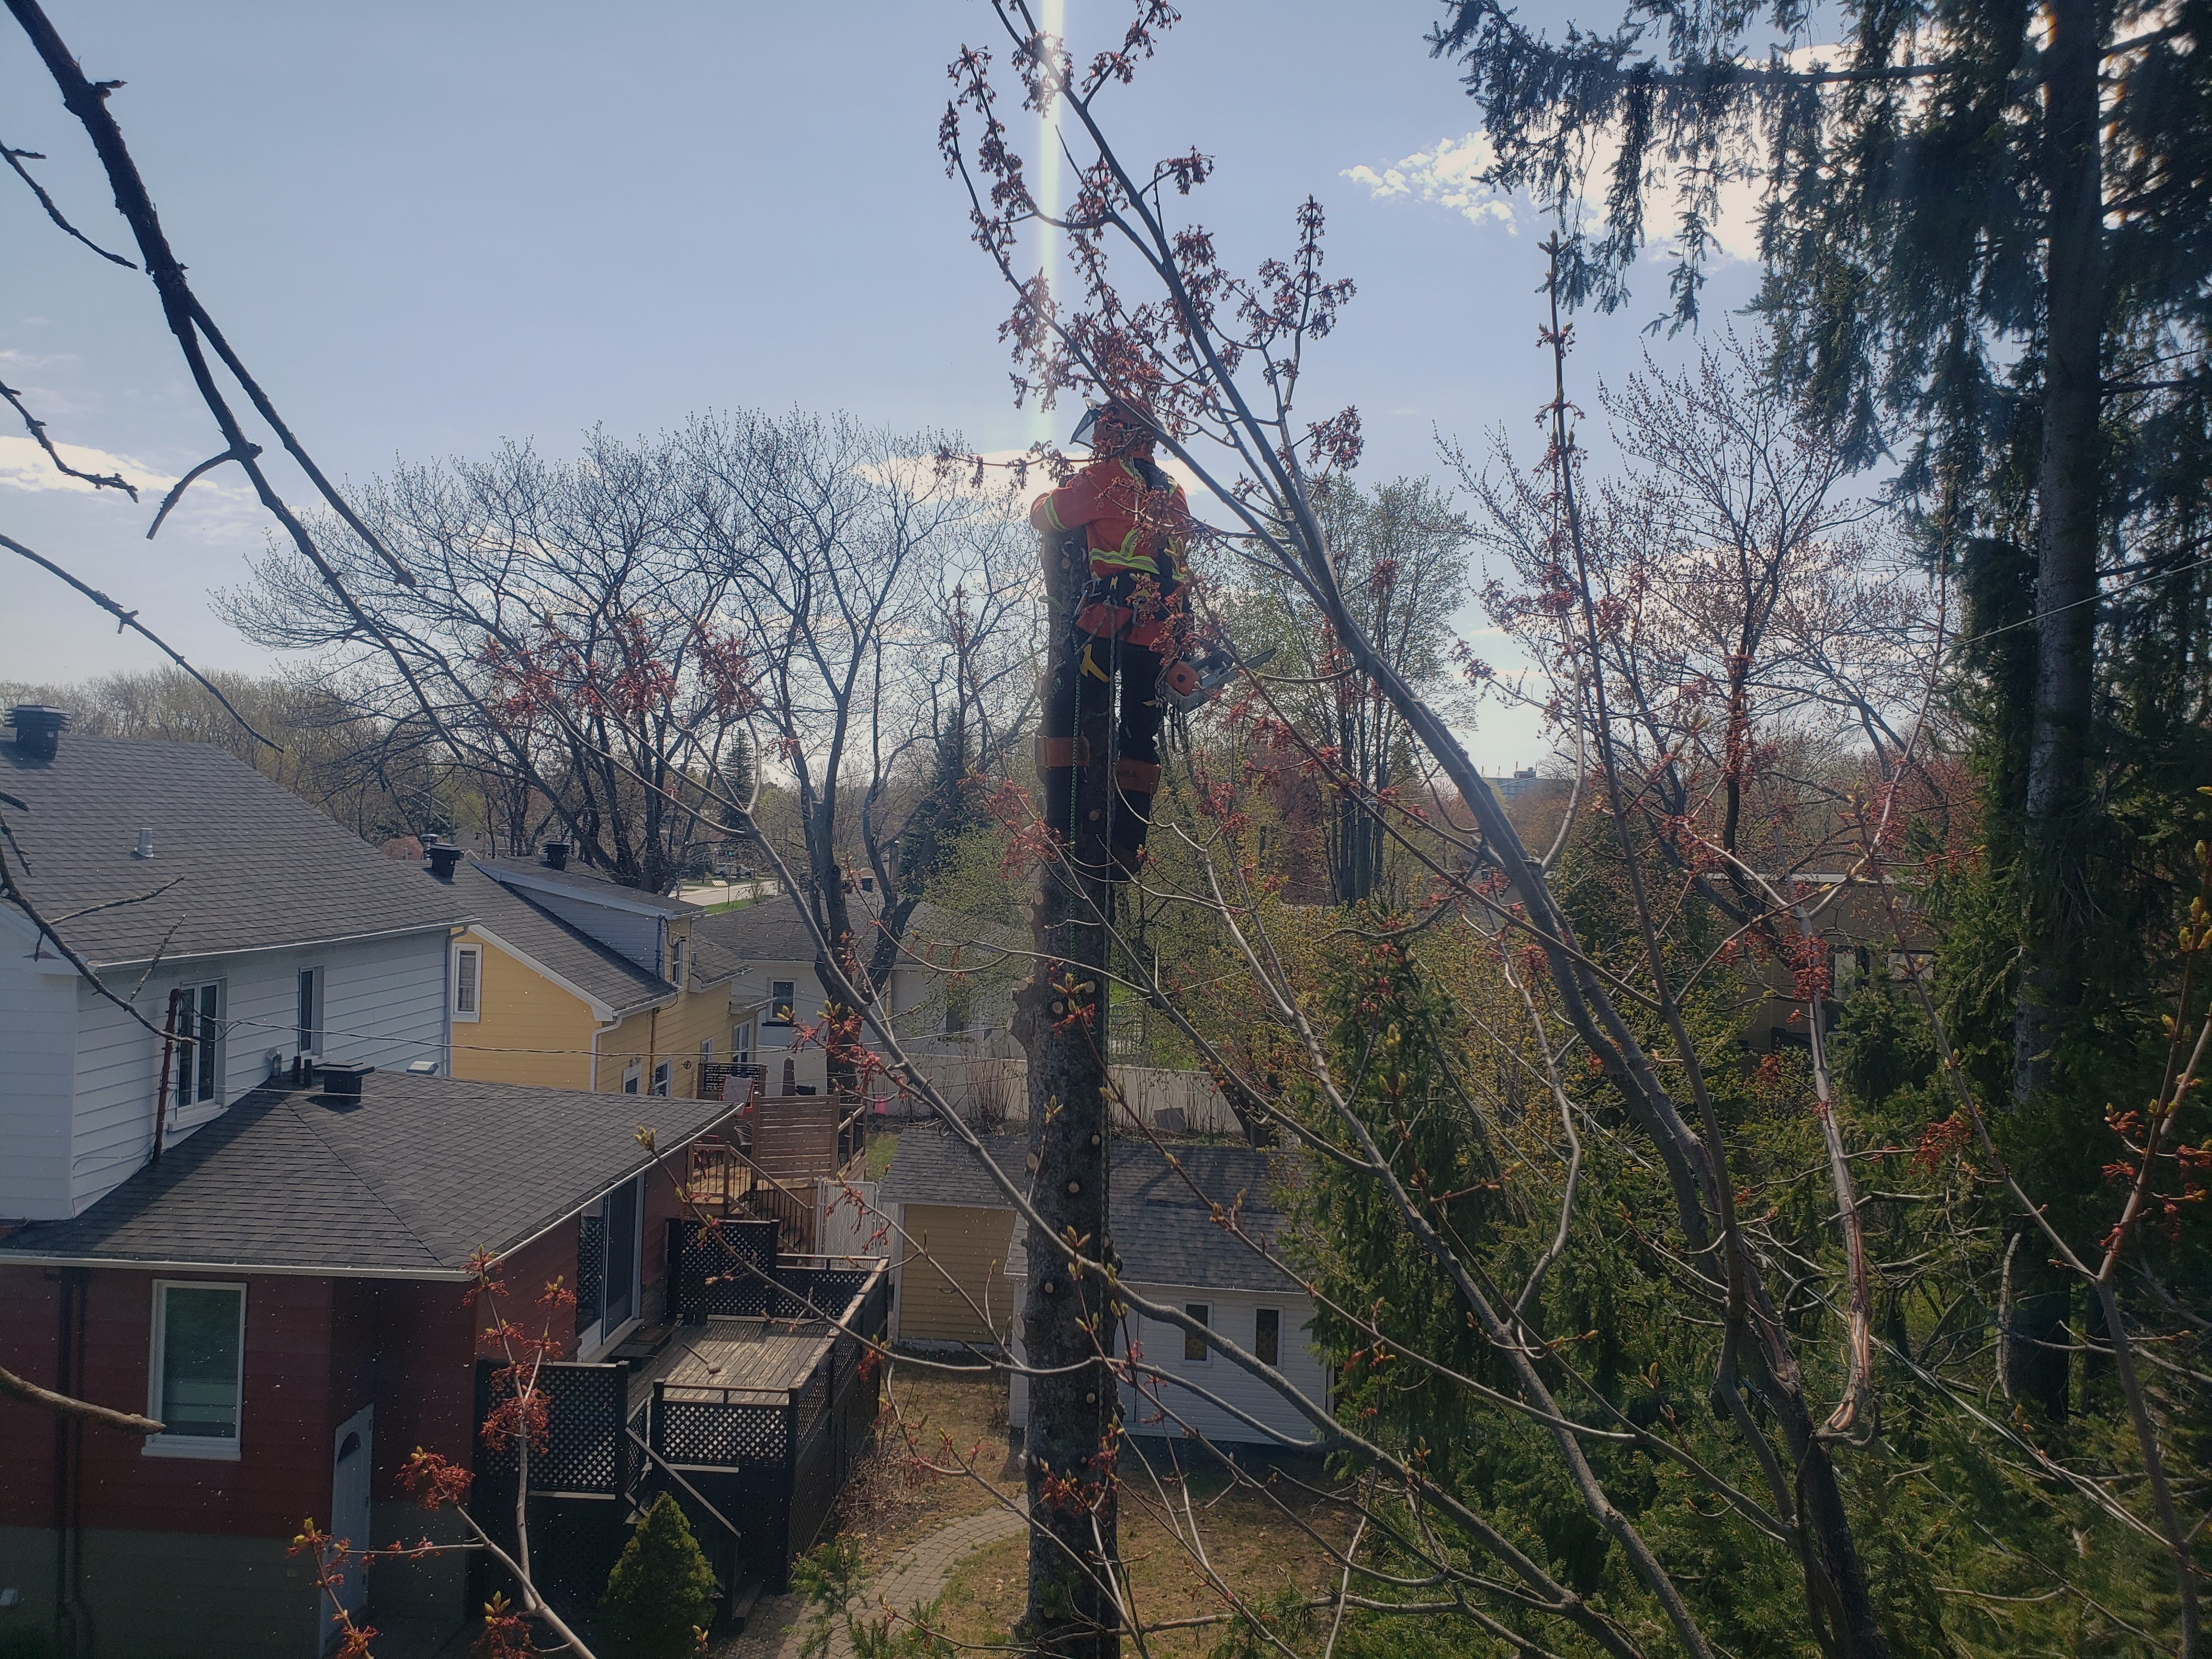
x: 947, y: 1258
x: 674, y: 1033
x: 524, y: 1011
x: 1167, y: 1409
x: 630, y: 933
x: 37, y: 1039
x: 384, y: 1002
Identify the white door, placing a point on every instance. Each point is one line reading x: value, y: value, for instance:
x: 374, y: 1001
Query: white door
x: 349, y: 1519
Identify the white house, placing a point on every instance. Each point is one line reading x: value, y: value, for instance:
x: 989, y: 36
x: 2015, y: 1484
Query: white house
x: 960, y: 1267
x: 223, y: 908
x: 774, y: 953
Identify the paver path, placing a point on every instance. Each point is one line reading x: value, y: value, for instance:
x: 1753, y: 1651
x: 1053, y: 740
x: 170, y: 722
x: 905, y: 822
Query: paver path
x: 919, y: 1573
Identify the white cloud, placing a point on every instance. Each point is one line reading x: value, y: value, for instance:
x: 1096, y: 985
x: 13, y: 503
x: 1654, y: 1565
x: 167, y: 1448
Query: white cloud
x: 1450, y: 175
x: 24, y: 465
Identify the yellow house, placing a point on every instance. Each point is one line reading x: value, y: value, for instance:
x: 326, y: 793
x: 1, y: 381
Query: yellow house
x: 566, y: 980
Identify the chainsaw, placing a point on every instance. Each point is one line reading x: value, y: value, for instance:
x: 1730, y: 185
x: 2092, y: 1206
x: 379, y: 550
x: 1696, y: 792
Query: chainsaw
x: 1191, y: 683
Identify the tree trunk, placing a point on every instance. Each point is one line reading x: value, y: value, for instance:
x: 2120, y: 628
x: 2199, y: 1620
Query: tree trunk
x: 1068, y: 1321
x: 2066, y: 551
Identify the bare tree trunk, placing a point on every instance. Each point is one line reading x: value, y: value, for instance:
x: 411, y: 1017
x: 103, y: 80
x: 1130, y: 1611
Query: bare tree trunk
x: 1067, y: 1322
x: 2066, y: 562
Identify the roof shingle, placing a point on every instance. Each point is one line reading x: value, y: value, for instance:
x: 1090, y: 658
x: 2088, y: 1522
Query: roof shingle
x: 411, y: 1180
x: 239, y: 863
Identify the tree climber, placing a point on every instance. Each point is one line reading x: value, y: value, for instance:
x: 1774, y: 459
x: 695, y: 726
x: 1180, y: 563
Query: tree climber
x: 1133, y: 518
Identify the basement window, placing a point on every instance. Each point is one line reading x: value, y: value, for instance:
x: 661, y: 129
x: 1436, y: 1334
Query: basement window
x: 197, y: 1369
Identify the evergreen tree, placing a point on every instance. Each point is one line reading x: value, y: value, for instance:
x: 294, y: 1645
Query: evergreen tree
x: 660, y: 1594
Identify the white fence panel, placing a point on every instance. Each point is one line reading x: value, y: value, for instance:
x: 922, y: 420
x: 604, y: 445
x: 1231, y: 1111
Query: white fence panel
x: 989, y: 1092
x: 846, y: 1222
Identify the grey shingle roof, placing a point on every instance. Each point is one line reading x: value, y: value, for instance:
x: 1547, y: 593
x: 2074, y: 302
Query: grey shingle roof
x: 411, y: 1182
x: 1161, y: 1226
x: 575, y: 955
x: 253, y: 865
x: 587, y: 882
x: 772, y: 930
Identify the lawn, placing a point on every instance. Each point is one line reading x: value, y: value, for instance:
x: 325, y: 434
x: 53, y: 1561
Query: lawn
x: 949, y: 1421
x: 1248, y: 1541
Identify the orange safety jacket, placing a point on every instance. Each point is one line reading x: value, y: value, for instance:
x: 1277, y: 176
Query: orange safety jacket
x: 1132, y: 532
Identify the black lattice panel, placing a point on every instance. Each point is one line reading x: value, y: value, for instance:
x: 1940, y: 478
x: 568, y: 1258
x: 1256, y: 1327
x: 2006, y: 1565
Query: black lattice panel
x: 740, y: 1256
x: 584, y: 1430
x: 713, y: 1435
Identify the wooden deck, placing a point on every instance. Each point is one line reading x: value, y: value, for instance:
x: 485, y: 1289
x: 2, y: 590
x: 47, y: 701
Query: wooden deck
x: 759, y: 1360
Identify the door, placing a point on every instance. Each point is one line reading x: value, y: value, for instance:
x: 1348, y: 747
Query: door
x: 349, y: 1518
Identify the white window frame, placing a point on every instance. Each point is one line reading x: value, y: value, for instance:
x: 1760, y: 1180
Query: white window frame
x: 475, y: 955
x: 634, y: 1078
x: 741, y: 1043
x: 1203, y: 1313
x: 663, y: 1077
x: 311, y: 986
x: 208, y: 1448
x: 676, y: 951
x: 706, y: 1054
x: 594, y: 1340
x: 190, y: 1074
x: 785, y: 1012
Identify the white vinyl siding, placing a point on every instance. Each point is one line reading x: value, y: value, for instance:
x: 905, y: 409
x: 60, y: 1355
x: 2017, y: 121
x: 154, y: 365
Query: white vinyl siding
x: 38, y: 1036
x: 1166, y: 1409
x: 384, y: 1002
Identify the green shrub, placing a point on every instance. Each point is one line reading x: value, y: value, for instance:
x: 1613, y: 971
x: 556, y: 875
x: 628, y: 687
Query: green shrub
x: 660, y: 1596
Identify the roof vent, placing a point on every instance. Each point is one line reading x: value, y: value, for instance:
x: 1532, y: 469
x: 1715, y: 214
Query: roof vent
x: 342, y: 1078
x: 442, y: 858
x: 556, y: 855
x: 145, y: 847
x: 38, y: 728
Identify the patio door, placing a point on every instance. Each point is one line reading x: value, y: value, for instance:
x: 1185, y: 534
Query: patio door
x: 350, y: 1516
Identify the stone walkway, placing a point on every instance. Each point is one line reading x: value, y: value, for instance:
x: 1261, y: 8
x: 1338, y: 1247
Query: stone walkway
x: 918, y: 1574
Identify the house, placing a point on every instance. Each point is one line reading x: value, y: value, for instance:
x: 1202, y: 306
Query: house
x: 961, y: 1268
x: 224, y: 910
x: 773, y: 953
x: 286, y: 1290
x: 568, y: 980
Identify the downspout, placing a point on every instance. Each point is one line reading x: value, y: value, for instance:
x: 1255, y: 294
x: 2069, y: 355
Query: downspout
x: 598, y: 1031
x: 72, y: 1618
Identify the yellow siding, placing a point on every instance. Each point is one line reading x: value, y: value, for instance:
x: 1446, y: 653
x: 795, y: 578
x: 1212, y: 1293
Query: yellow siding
x: 968, y: 1248
x: 532, y: 1030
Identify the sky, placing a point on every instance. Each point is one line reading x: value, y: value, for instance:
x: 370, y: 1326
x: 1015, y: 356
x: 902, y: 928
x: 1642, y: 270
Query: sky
x: 428, y: 228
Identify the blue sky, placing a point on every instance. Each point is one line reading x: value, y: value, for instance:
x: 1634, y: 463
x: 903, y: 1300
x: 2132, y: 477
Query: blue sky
x: 429, y: 226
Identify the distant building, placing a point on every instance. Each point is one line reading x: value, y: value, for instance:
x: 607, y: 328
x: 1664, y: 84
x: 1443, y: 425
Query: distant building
x: 1523, y: 781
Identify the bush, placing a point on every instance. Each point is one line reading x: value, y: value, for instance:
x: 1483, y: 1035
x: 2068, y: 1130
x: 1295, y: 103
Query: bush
x: 660, y: 1596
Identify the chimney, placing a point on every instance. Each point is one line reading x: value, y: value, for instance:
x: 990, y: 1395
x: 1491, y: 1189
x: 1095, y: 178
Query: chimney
x: 145, y: 849
x: 790, y: 1076
x: 38, y: 728
x: 443, y: 857
x: 556, y: 855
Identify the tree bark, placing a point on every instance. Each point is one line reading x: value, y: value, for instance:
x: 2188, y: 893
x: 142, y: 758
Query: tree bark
x: 1068, y: 1320
x: 2066, y: 551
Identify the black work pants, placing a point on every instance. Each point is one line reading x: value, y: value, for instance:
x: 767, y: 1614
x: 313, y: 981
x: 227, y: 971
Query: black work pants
x: 1090, y: 667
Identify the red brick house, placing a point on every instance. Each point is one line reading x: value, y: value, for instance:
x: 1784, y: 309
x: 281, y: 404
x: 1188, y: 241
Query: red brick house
x: 285, y: 1291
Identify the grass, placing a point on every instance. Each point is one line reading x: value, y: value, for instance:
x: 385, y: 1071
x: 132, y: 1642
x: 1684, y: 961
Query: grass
x: 883, y: 1146
x: 953, y: 1422
x: 1253, y: 1547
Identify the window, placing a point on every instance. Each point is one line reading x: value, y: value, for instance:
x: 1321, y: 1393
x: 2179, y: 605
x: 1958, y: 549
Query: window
x: 676, y: 962
x: 468, y: 981
x: 1193, y: 1345
x: 741, y: 1045
x: 199, y: 1345
x: 706, y: 1054
x: 661, y: 1069
x: 1267, y: 1335
x: 782, y: 995
x: 633, y: 1075
x: 198, y: 1050
x: 309, y: 1024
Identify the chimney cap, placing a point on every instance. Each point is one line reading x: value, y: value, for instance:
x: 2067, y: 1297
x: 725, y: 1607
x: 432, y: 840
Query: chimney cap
x: 38, y: 727
x: 443, y: 857
x: 557, y: 854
